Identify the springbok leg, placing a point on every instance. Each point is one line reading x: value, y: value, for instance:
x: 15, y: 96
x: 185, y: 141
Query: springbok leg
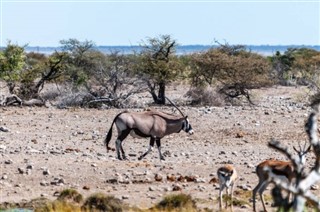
x: 151, y: 144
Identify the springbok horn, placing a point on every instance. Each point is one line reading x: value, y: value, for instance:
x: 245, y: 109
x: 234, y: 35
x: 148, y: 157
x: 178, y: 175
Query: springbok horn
x: 175, y: 107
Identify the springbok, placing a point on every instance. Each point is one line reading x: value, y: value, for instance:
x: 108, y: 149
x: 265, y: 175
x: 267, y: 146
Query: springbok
x: 152, y: 124
x: 281, y: 169
x: 227, y: 177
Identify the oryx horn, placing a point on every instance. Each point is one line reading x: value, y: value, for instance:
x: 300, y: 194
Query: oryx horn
x: 175, y: 106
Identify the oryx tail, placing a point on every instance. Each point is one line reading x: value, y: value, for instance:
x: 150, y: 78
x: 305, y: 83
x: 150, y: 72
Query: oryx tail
x: 109, y: 135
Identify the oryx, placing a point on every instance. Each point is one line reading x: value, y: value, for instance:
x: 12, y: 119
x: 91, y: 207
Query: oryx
x: 147, y: 124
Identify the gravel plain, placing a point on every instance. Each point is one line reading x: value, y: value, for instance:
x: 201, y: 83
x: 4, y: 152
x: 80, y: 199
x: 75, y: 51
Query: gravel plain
x: 45, y: 150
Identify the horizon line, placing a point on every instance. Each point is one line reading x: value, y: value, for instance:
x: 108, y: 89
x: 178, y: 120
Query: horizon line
x: 120, y: 45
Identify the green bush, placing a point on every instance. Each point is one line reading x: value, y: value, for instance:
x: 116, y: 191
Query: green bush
x: 101, y: 202
x: 177, y: 202
x: 57, y: 206
x: 70, y: 195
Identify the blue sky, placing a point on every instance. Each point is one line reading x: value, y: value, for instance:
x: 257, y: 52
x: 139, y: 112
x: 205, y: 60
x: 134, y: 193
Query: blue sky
x: 105, y: 22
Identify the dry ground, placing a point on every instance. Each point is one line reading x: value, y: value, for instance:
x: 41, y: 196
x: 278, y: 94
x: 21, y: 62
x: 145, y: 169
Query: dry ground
x: 48, y: 149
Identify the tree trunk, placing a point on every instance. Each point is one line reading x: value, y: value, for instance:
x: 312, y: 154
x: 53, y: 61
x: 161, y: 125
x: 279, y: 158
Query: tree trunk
x: 160, y: 98
x: 162, y: 93
x: 11, y: 87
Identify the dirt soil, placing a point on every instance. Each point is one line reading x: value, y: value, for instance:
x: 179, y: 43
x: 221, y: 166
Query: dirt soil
x: 47, y: 150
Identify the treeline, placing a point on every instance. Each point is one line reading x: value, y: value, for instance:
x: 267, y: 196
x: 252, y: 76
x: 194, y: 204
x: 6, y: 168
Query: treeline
x: 92, y: 78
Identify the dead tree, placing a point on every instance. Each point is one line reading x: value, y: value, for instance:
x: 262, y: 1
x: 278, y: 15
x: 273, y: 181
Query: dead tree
x: 304, y: 181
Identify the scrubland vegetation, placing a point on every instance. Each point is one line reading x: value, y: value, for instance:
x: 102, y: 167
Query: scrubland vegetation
x: 88, y: 78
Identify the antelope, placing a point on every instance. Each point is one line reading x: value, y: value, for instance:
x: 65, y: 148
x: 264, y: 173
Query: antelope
x: 227, y: 177
x: 147, y: 124
x: 279, y: 168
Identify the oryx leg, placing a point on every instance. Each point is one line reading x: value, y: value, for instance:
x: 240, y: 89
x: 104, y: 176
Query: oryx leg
x: 151, y: 144
x: 119, y: 147
x: 159, y: 148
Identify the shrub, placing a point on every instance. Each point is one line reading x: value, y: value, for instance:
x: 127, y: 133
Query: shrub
x: 177, y: 202
x: 205, y: 96
x: 70, y: 195
x: 57, y: 206
x: 101, y: 202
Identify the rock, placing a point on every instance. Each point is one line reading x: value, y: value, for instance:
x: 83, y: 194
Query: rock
x: 112, y: 181
x: 176, y: 187
x: 8, y: 161
x: 171, y: 178
x: 30, y: 166
x: 151, y: 188
x: 244, y: 187
x: 44, y: 183
x: 46, y: 172
x: 222, y: 153
x: 181, y: 179
x: 57, y: 181
x: 200, y: 180
x: 190, y: 178
x: 158, y: 177
x: 21, y: 170
x: 4, y: 129
x: 125, y: 197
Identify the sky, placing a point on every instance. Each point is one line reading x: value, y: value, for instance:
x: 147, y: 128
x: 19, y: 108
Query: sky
x: 129, y: 22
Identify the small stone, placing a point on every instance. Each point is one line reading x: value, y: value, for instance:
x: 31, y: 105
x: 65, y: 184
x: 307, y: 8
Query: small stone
x: 171, y: 178
x: 8, y: 161
x: 199, y: 180
x: 4, y: 129
x: 158, y: 178
x: 125, y: 197
x: 46, y: 172
x: 151, y: 188
x: 176, y: 187
x: 244, y: 187
x: 30, y: 166
x: 222, y: 153
x: 34, y: 141
x: 44, y: 183
x: 21, y: 170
